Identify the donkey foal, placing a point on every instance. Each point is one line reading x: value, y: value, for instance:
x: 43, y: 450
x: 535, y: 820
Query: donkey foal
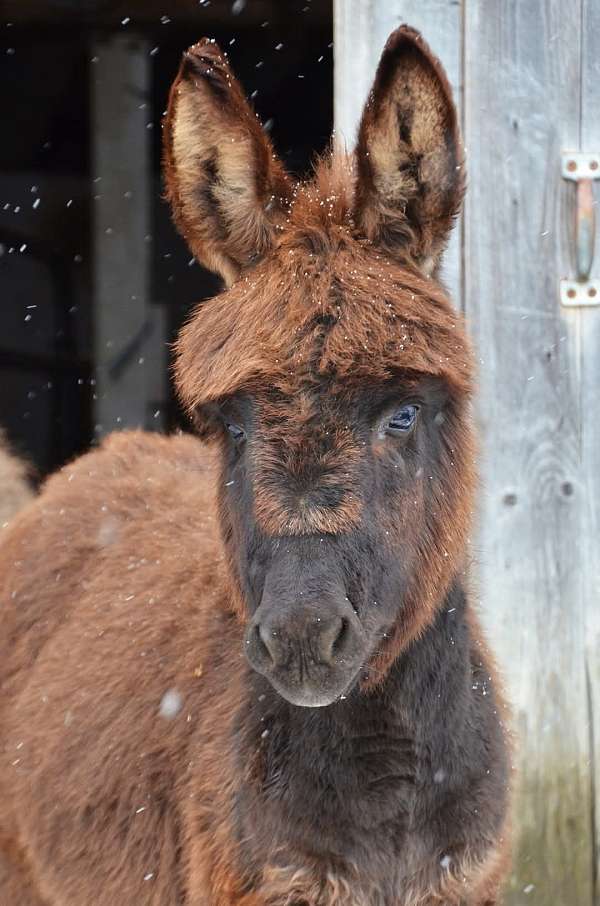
x: 248, y: 673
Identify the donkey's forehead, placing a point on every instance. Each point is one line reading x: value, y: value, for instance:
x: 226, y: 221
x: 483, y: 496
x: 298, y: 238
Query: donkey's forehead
x: 315, y: 406
x: 344, y: 314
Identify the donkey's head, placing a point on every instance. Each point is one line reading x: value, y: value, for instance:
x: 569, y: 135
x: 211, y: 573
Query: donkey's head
x: 333, y: 371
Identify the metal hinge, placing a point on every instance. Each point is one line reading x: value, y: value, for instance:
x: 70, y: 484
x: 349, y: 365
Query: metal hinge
x: 582, y: 169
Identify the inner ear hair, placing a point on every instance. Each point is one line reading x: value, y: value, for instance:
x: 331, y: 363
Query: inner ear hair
x: 227, y: 190
x: 409, y: 154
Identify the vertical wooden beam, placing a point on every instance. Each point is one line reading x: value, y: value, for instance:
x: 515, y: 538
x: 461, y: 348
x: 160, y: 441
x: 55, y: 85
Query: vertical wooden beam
x: 128, y: 341
x: 361, y: 28
x: 356, y: 49
x: 589, y: 490
x: 522, y: 107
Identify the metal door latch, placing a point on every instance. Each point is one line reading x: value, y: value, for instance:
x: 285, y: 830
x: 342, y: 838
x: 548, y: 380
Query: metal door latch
x: 582, y: 169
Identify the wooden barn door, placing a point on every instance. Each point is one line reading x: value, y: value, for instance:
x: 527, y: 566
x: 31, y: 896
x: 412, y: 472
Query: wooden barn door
x: 526, y: 75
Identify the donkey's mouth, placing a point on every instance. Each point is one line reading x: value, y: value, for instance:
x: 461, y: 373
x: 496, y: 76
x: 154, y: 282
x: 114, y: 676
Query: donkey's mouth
x: 316, y: 691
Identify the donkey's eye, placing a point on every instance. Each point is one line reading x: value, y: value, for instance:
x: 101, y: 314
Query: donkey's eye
x: 403, y: 420
x: 238, y: 434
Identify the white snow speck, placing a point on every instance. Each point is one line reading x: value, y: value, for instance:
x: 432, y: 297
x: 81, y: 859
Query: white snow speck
x: 170, y: 704
x: 108, y: 531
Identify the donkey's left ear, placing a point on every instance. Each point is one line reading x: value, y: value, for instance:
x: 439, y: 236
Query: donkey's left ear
x: 228, y: 192
x: 409, y: 155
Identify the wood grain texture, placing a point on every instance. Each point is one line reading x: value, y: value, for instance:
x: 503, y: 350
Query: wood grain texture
x: 522, y: 106
x: 589, y: 492
x: 361, y: 28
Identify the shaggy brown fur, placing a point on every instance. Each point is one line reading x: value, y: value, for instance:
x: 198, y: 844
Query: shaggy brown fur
x: 167, y: 607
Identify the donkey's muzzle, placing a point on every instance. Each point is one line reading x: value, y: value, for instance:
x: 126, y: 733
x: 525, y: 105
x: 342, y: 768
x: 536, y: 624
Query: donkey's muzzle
x: 310, y: 652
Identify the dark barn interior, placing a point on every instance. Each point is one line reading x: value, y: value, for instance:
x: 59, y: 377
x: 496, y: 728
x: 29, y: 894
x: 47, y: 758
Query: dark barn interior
x: 94, y: 280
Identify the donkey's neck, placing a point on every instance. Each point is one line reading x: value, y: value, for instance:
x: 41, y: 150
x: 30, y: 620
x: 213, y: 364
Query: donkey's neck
x: 328, y: 774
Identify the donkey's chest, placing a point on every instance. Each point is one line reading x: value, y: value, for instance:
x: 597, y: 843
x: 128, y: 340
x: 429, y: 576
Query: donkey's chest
x: 343, y: 826
x: 393, y: 863
x: 381, y: 832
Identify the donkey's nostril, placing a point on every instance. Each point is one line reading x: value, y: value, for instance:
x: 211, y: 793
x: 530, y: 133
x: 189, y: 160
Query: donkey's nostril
x: 342, y: 635
x: 268, y: 642
x: 260, y: 649
x: 329, y: 639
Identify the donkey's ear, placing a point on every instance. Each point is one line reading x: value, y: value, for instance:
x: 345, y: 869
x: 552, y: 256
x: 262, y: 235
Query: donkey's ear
x: 226, y: 188
x: 409, y: 154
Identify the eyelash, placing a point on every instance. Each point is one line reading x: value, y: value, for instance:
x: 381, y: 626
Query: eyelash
x: 401, y: 422
x: 238, y: 434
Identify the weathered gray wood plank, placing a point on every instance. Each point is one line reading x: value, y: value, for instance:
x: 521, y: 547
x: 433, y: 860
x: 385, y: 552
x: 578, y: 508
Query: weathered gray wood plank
x: 589, y: 492
x: 361, y: 28
x: 129, y: 346
x: 522, y: 87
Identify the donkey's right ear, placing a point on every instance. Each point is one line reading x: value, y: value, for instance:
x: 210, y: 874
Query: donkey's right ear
x: 227, y: 190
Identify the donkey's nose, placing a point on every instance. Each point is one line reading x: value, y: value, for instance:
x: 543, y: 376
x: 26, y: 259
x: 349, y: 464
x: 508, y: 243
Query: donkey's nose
x: 310, y: 646
x: 319, y: 639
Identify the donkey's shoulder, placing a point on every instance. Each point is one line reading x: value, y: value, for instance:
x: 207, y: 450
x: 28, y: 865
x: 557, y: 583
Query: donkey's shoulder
x: 135, y: 513
x: 135, y: 471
